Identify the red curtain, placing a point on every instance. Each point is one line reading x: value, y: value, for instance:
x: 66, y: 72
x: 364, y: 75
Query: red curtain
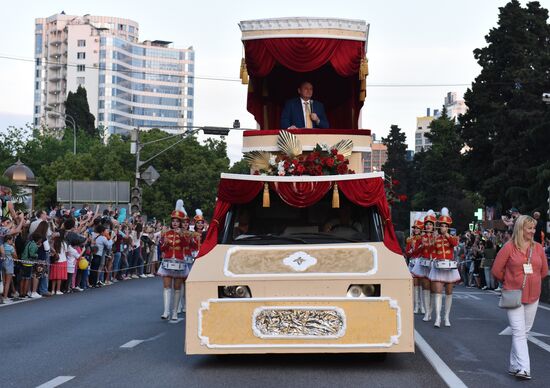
x: 362, y: 192
x: 230, y: 191
x: 370, y: 192
x: 303, y: 55
x: 276, y: 67
x: 301, y: 194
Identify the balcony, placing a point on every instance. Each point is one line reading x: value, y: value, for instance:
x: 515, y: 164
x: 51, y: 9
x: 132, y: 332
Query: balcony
x: 56, y: 56
x: 56, y: 66
x: 56, y: 42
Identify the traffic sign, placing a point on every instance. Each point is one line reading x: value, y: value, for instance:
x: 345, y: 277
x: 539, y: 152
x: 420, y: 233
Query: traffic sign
x: 150, y: 175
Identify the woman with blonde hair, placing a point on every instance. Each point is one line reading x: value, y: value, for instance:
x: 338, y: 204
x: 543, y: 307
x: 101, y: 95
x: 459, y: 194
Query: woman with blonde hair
x: 521, y: 264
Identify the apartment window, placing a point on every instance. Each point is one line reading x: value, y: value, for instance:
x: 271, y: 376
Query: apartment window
x: 418, y: 135
x: 80, y: 80
x: 38, y: 61
x: 36, y: 109
x: 419, y: 127
x: 37, y: 73
x: 131, y: 29
x: 80, y: 67
x: 121, y: 27
x: 36, y: 85
x: 36, y: 122
x: 81, y: 55
x: 81, y: 43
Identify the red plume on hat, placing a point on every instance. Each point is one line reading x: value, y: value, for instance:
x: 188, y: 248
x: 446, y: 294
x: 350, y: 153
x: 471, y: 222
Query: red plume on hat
x: 179, y: 212
x: 444, y: 217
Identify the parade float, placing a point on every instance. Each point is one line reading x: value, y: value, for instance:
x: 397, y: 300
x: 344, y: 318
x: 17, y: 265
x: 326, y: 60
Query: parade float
x: 301, y: 255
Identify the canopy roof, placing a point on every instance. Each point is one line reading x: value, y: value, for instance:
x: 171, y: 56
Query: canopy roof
x: 281, y: 53
x: 301, y: 191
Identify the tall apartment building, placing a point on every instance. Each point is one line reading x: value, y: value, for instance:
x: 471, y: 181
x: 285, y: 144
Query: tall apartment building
x: 421, y: 142
x: 454, y: 107
x: 375, y: 159
x: 128, y: 83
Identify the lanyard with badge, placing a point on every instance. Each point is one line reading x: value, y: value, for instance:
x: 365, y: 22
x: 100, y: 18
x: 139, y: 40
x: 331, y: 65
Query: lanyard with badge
x: 528, y: 268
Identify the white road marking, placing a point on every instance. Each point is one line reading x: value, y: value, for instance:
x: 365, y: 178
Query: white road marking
x: 131, y: 344
x: 465, y: 295
x: 544, y: 307
x: 508, y: 331
x: 450, y: 378
x: 56, y: 382
x: 539, y: 343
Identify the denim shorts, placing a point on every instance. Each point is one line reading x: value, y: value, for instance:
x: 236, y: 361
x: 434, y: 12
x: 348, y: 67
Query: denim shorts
x: 7, y: 265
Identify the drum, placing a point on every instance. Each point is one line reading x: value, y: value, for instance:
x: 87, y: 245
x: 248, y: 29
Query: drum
x: 445, y: 264
x: 425, y: 262
x: 173, y: 264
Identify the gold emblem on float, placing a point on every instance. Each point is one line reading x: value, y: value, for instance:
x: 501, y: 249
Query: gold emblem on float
x: 342, y: 259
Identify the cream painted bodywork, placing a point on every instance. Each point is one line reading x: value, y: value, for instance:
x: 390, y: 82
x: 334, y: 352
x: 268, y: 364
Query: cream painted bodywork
x: 377, y: 324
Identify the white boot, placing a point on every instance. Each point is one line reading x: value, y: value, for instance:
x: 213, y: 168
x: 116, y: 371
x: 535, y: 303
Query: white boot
x: 421, y: 300
x: 166, y: 300
x: 182, y: 303
x: 175, y: 304
x: 416, y: 299
x: 438, y: 300
x: 448, y: 304
x: 427, y: 305
x: 181, y: 306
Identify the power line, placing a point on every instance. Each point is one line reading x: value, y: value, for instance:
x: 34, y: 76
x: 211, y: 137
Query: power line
x: 217, y: 78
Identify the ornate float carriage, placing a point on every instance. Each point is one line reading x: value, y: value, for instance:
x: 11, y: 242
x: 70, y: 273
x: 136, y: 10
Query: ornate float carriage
x: 301, y: 255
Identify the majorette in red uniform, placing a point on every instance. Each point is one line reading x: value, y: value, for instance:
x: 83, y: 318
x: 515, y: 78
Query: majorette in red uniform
x: 192, y: 245
x: 412, y: 251
x: 173, y: 269
x: 199, y: 224
x: 423, y: 264
x: 448, y: 276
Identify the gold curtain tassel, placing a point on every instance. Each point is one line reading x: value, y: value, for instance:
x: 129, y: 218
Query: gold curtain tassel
x: 244, y: 72
x: 335, y: 197
x: 266, y: 202
x: 363, y: 90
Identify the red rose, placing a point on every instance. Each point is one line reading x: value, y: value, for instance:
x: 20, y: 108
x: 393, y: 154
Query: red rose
x: 319, y: 169
x: 340, y: 157
x: 329, y: 162
x: 402, y: 198
x: 286, y: 165
x: 395, y: 182
x: 295, y: 162
x: 342, y: 168
x: 300, y: 169
x: 310, y: 158
x: 256, y: 172
x: 334, y: 151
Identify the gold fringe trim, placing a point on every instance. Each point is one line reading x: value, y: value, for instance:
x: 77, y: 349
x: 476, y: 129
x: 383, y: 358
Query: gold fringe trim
x: 266, y: 202
x: 335, y: 197
x: 363, y: 90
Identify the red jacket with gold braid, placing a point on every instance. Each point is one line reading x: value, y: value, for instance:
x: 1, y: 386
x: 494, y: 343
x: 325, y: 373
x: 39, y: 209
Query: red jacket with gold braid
x: 172, y: 245
x: 413, y: 246
x: 192, y: 242
x: 427, y: 245
x: 444, y: 247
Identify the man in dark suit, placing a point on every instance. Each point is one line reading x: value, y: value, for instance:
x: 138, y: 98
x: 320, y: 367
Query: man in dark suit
x: 302, y: 111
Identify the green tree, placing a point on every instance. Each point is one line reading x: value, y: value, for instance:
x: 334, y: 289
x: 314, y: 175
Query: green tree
x: 506, y: 126
x: 440, y: 182
x: 240, y: 167
x: 77, y: 107
x: 398, y: 170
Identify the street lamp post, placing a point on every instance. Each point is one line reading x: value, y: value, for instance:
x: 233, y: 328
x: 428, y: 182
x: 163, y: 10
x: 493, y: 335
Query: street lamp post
x: 71, y: 120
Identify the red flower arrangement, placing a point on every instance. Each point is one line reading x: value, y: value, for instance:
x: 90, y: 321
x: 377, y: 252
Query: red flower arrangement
x: 318, y: 162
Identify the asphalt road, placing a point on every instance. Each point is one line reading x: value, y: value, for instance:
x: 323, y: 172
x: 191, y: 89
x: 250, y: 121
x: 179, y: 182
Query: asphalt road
x: 79, y: 337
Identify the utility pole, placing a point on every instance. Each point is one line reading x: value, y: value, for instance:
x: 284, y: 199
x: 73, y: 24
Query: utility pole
x: 138, y: 162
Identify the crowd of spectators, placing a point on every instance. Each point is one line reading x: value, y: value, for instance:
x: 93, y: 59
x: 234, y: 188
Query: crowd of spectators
x: 477, y: 250
x: 73, y: 250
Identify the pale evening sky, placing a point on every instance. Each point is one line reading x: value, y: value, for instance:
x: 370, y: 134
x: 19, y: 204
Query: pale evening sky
x: 422, y: 42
